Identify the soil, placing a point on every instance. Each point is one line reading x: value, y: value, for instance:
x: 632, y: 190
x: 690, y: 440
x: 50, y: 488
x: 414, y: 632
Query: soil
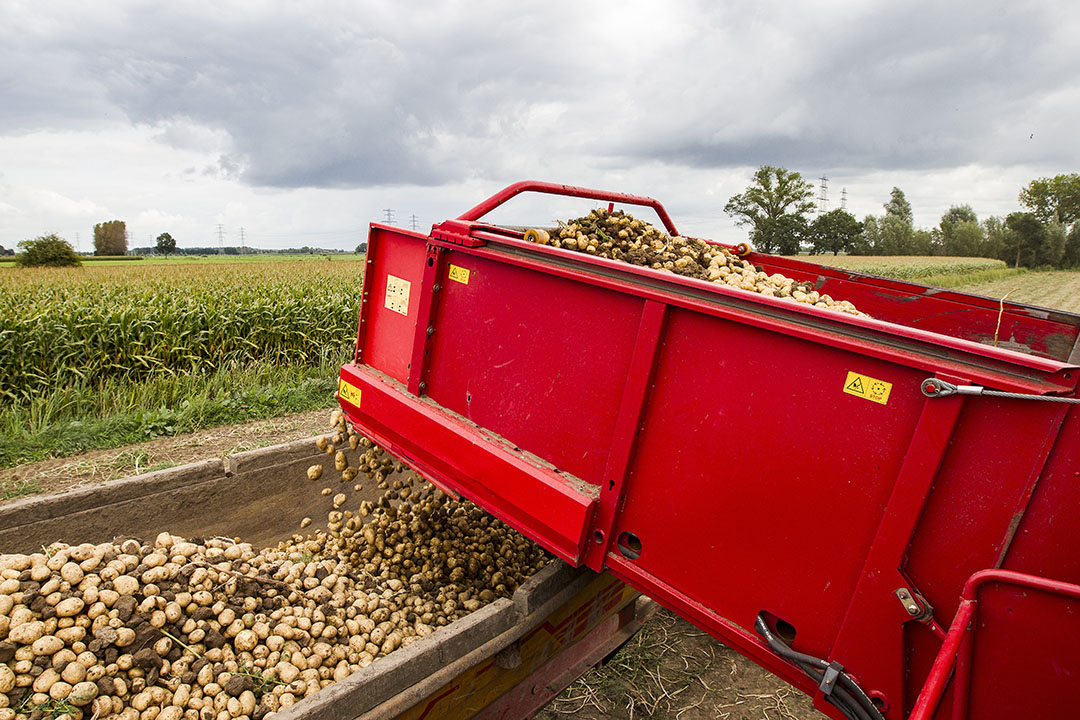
x: 670, y: 669
x: 48, y: 476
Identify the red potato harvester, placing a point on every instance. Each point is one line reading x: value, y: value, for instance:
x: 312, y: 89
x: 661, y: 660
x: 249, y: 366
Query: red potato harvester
x: 881, y: 510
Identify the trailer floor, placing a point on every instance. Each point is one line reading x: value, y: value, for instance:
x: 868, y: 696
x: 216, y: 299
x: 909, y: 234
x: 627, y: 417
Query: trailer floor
x: 668, y: 670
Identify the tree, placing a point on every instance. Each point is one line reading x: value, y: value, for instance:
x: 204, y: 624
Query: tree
x: 961, y: 234
x: 1055, y: 199
x: 773, y: 205
x: 46, y: 250
x: 361, y: 248
x: 110, y: 238
x: 1051, y: 251
x: 959, y: 214
x: 899, y: 207
x: 165, y: 244
x: 835, y: 231
x: 1071, y: 256
x: 995, y: 239
x: 1025, y: 237
x: 896, y: 237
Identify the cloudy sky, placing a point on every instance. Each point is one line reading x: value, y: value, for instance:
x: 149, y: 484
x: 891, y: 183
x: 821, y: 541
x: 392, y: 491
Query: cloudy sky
x: 301, y: 122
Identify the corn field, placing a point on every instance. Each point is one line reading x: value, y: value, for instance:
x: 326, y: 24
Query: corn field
x: 79, y: 327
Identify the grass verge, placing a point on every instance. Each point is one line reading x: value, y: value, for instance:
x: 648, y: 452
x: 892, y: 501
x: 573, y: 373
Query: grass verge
x: 121, y: 413
x: 981, y: 276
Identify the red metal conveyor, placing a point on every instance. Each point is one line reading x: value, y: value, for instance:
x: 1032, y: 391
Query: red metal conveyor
x: 809, y: 487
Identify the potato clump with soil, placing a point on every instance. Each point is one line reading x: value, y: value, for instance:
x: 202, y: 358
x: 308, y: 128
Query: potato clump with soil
x: 620, y: 236
x: 215, y: 629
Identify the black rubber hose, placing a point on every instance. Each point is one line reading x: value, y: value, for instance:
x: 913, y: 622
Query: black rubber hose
x: 839, y: 697
x: 857, y: 692
x: 852, y: 696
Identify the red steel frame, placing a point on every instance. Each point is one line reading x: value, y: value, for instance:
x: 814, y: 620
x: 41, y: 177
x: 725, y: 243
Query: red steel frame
x: 956, y: 650
x: 936, y: 494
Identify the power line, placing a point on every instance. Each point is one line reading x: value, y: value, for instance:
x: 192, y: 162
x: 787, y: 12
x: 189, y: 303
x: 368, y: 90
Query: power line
x: 823, y: 198
x: 843, y: 199
x: 389, y: 216
x: 241, y: 239
x: 413, y: 223
x: 221, y: 239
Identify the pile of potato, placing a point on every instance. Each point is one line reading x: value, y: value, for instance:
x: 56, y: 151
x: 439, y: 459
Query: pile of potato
x: 214, y: 629
x: 620, y: 236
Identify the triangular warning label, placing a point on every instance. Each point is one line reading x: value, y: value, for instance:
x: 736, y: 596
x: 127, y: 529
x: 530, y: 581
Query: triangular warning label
x: 867, y: 388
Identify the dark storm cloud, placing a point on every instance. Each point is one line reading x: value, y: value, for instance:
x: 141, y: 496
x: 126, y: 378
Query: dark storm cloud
x: 902, y: 86
x: 342, y: 95
x: 309, y: 95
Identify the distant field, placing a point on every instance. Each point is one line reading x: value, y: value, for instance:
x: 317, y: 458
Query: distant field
x: 202, y: 259
x: 946, y: 272
x: 1059, y: 290
x: 907, y: 267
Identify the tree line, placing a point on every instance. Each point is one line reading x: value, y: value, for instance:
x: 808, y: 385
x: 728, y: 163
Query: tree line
x: 777, y: 206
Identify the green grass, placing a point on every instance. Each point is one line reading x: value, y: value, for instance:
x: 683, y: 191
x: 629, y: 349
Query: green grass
x: 121, y: 413
x: 11, y: 488
x: 1057, y: 289
x: 916, y: 268
x: 952, y: 281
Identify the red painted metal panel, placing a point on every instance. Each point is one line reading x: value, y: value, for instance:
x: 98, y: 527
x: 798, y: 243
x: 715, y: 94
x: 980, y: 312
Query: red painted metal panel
x: 540, y: 360
x: 1047, y: 538
x: 1048, y: 333
x: 1024, y: 656
x: 996, y: 452
x: 744, y: 432
x: 388, y: 335
x: 549, y: 507
x: 996, y: 367
x: 873, y: 602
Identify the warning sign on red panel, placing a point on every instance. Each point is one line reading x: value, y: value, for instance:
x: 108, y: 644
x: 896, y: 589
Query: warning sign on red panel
x: 867, y: 388
x: 397, y: 294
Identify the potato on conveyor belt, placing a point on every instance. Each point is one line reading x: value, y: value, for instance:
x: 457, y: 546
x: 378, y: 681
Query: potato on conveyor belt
x: 620, y: 236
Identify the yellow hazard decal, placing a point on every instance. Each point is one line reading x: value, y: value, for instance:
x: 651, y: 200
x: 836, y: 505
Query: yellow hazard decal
x: 867, y: 388
x: 348, y: 392
x: 459, y: 274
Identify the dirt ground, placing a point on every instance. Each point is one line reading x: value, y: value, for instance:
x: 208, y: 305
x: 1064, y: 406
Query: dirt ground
x: 670, y: 669
x: 93, y: 466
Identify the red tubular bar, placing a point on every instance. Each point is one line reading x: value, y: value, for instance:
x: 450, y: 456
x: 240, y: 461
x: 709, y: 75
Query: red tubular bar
x: 960, y: 633
x: 570, y: 191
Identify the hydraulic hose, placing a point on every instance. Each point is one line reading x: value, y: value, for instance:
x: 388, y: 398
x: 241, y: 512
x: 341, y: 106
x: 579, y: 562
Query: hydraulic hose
x: 847, y: 695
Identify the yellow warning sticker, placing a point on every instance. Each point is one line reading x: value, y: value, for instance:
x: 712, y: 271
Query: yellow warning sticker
x: 397, y: 294
x: 348, y: 392
x: 867, y: 388
x: 459, y: 274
